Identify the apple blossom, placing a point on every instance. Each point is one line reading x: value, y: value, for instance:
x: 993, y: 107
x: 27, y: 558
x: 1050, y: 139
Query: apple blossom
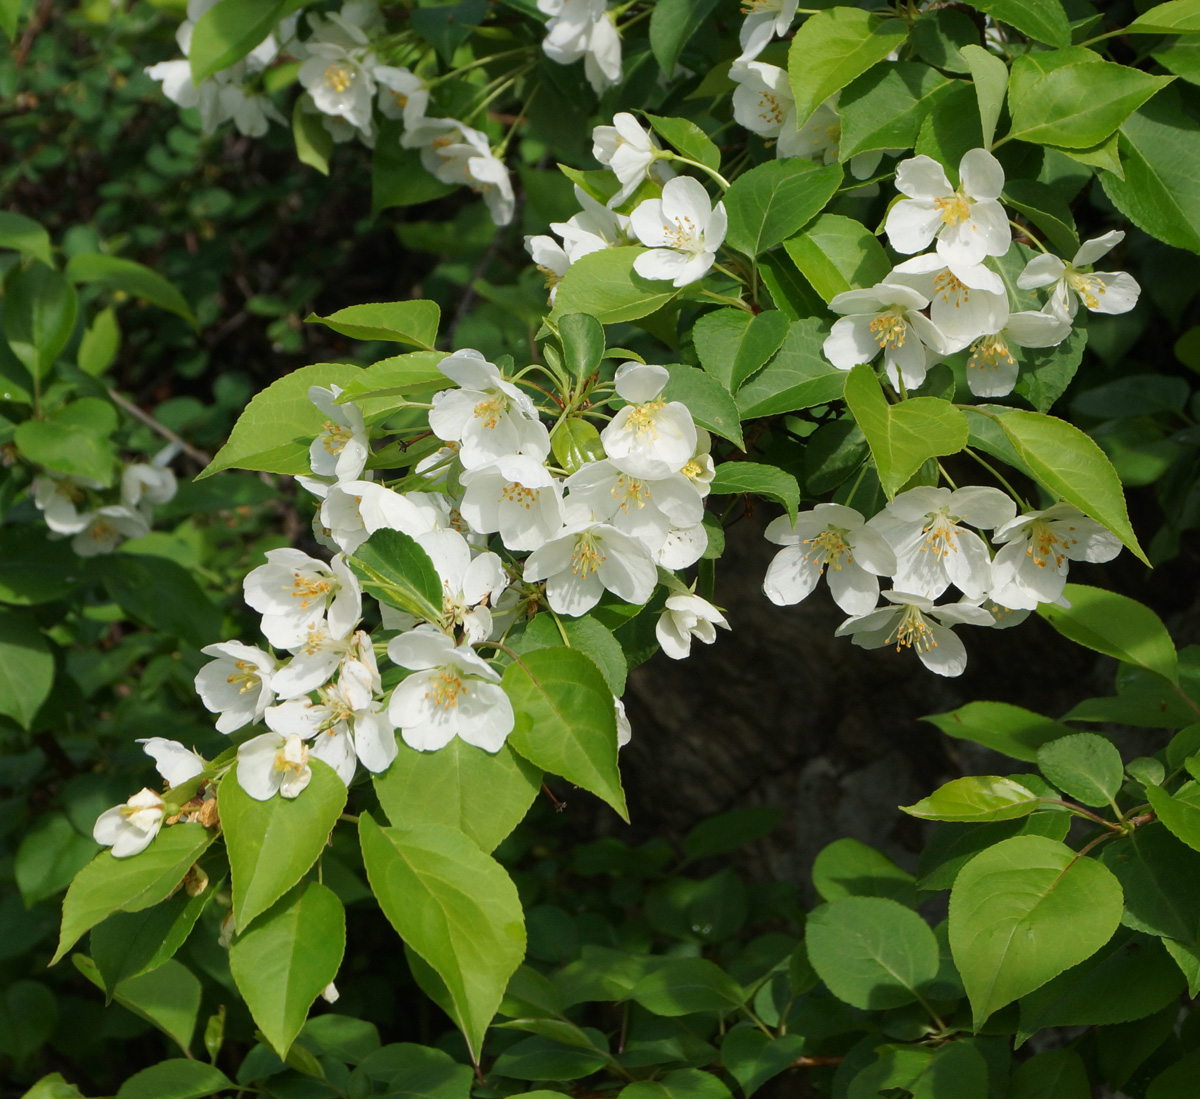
x: 237, y: 684
x: 172, y: 760
x: 57, y: 497
x: 129, y: 828
x: 630, y: 151
x: 550, y: 258
x: 107, y: 528
x: 1100, y: 291
x: 765, y: 19
x: 624, y: 729
x: 762, y: 100
x: 967, y: 300
x: 682, y: 546
x: 315, y: 659
x: 354, y: 510
x: 516, y: 496
x: 649, y: 437
x: 647, y: 509
x: 584, y: 561
x: 683, y: 231
x: 583, y: 28
x: 685, y: 617
x: 593, y: 229
x: 341, y: 450
x: 272, y: 764
x: 991, y: 368
x: 293, y: 591
x: 468, y: 584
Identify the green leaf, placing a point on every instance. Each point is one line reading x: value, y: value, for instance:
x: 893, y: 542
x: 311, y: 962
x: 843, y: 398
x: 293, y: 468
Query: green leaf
x: 1013, y: 730
x: 710, y: 403
x: 956, y: 1071
x: 954, y: 845
x: 1180, y: 815
x: 884, y: 108
x: 99, y: 345
x: 672, y: 24
x: 871, y: 952
x: 273, y: 843
x: 732, y: 344
x: 176, y: 1079
x: 575, y: 442
x: 135, y: 279
x: 1115, y: 625
x: 541, y: 1058
x: 1160, y: 877
x: 834, y: 46
x: 274, y: 432
x: 681, y: 986
x: 385, y: 386
x: 902, y: 436
x: 109, y: 884
x: 605, y: 285
x: 397, y: 176
x: 1075, y: 105
x: 849, y: 868
x: 421, y: 1072
x: 687, y: 138
x: 459, y: 786
x: 1160, y: 151
x: 770, y: 203
x: 314, y: 143
x: 455, y: 907
x: 976, y: 798
x: 752, y: 1057
x: 52, y: 1086
x: 39, y: 316
x: 952, y: 127
x: 1173, y: 17
x: 789, y: 291
x: 21, y: 233
x: 167, y: 997
x: 50, y: 854
x: 728, y: 831
x: 398, y: 572
x: 1178, y: 1081
x: 161, y: 593
x: 1023, y: 911
x: 799, y: 376
x: 448, y: 26
x: 1043, y: 205
x: 1084, y: 766
x: 736, y: 478
x: 1034, y: 18
x: 585, y: 634
x: 837, y: 253
x: 565, y: 720
x: 26, y: 668
x: 1055, y: 1074
x: 283, y: 962
x: 74, y: 439
x: 231, y: 29
x: 990, y: 75
x: 582, y: 338
x: 410, y: 322
x: 684, y: 1083
x: 939, y: 33
x: 1046, y: 372
x: 1069, y: 464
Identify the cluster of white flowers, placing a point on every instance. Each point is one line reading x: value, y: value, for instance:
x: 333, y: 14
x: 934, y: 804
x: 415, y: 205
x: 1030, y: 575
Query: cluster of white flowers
x: 583, y: 28
x: 923, y: 540
x: 73, y: 506
x: 968, y: 305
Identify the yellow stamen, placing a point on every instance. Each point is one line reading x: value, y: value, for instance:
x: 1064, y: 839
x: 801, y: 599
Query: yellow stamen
x: 990, y: 351
x: 587, y: 558
x: 339, y: 78
x: 1044, y: 544
x: 1088, y: 287
x: 246, y: 675
x: 912, y: 632
x: 889, y: 330
x: 491, y: 409
x: 829, y: 548
x: 444, y: 689
x: 520, y: 495
x: 955, y: 209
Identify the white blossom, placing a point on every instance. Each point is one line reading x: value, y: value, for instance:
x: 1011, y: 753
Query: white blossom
x: 459, y: 154
x: 317, y: 657
x: 129, y: 828
x: 682, y: 547
x: 354, y: 510
x: 992, y: 369
x: 685, y: 617
x: 293, y: 591
x: 649, y: 437
x: 1100, y: 291
x: 630, y: 151
x: 172, y: 760
x: 584, y: 561
x: 469, y: 583
x: 762, y: 100
x: 402, y: 95
x: 583, y: 28
x: 967, y: 300
x: 515, y: 496
x: 237, y: 684
x: 341, y: 450
x: 58, y: 497
x: 683, y: 231
x: 765, y: 19
x: 107, y: 528
x: 272, y: 764
x: 593, y: 229
x: 550, y: 258
x: 624, y: 729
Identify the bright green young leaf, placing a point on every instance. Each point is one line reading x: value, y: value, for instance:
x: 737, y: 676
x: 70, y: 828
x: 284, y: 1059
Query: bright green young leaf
x: 1041, y: 21
x: 39, y: 316
x: 24, y: 234
x: 1160, y: 877
x: 1173, y: 17
x: 283, y: 962
x: 582, y: 342
x: 770, y: 203
x: 991, y: 83
x: 605, y: 285
x: 575, y: 442
x: 273, y: 843
x: 1023, y: 911
x: 109, y: 884
x: 976, y: 798
x: 387, y: 385
x: 732, y: 344
x: 585, y: 634
x: 460, y: 786
x: 132, y: 278
x: 1069, y: 464
x: 837, y: 253
x: 1115, y: 625
x: 672, y: 24
x: 871, y: 952
x: 681, y: 986
x: 884, y: 108
x: 687, y: 138
x: 902, y: 436
x: 1084, y: 766
x: 277, y: 428
x: 99, y: 345
x: 176, y: 1079
x: 849, y: 868
x: 26, y: 668
x: 1180, y: 814
x: 455, y: 907
x: 799, y: 376
x: 398, y: 572
x: 710, y: 403
x: 834, y: 46
x: 565, y: 720
x: 751, y: 478
x: 411, y: 322
x: 52, y: 1086
x: 231, y: 29
x: 314, y: 143
x: 1013, y: 730
x: 168, y: 997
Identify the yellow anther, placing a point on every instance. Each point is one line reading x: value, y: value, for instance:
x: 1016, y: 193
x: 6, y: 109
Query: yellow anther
x: 587, y: 558
x: 520, y: 495
x: 955, y: 209
x: 829, y: 548
x: 246, y: 676
x: 990, y: 351
x: 912, y: 632
x: 1088, y: 287
x: 889, y: 330
x: 491, y: 409
x: 339, y: 78
x: 306, y: 589
x: 445, y: 688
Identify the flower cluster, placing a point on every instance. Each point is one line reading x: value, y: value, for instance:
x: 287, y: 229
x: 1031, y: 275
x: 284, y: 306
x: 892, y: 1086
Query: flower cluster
x: 583, y: 29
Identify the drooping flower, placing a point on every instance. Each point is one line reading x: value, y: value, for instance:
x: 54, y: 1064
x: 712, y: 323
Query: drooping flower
x: 272, y: 764
x: 237, y: 684
x: 762, y: 100
x: 765, y: 19
x: 107, y: 528
x: 583, y: 28
x: 587, y: 559
x: 402, y: 94
x: 293, y: 591
x: 550, y: 258
x: 687, y: 617
x: 992, y: 368
x: 968, y: 222
x: 341, y: 450
x: 129, y: 828
x: 145, y: 484
x: 1100, y: 291
x: 172, y: 760
x: 683, y: 231
x: 649, y: 437
x: 630, y: 151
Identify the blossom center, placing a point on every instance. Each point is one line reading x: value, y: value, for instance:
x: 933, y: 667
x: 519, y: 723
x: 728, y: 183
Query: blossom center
x: 1088, y: 287
x: 955, y: 209
x: 685, y: 236
x: 445, y: 686
x: 889, y: 330
x: 642, y: 418
x: 770, y: 109
x: 245, y: 676
x: 551, y: 276
x: 912, y: 632
x: 293, y: 756
x: 939, y: 533
x: 1046, y: 545
x: 519, y: 495
x: 490, y: 409
x: 990, y: 351
x: 339, y: 78
x: 629, y: 491
x: 829, y: 547
x: 586, y: 558
x: 951, y: 288
x: 334, y: 437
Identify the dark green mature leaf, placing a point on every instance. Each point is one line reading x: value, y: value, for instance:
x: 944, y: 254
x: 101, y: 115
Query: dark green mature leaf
x: 75, y: 440
x: 1160, y: 877
x: 448, y: 26
x: 1039, y: 21
x: 1178, y: 1081
x: 752, y: 1057
x: 884, y: 108
x: 26, y: 668
x: 314, y: 143
x: 1023, y: 911
x: 990, y: 75
x: 605, y: 285
x: 790, y: 292
x: 582, y: 338
x: 410, y: 322
x: 175, y: 1079
x: 736, y: 478
x: 455, y: 907
x: 770, y: 203
x: 1179, y: 813
x: 50, y: 854
x: 135, y: 279
x: 283, y: 962
x: 799, y: 376
x: 954, y: 845
x: 161, y: 593
x: 684, y: 1083
x: 543, y: 1058
x: 672, y: 24
x: 109, y: 884
x: 976, y: 798
x: 167, y: 997
x: 681, y: 986
x: 710, y: 403
x: 836, y: 254
x: 39, y: 315
x: 728, y: 831
x: 834, y: 46
x: 1044, y: 206
x: 273, y: 843
x: 1013, y: 730
x: 565, y: 720
x: 871, y: 952
x: 410, y: 1070
x: 25, y: 235
x: 1117, y: 626
x: 398, y: 572
x: 397, y: 175
x: 1047, y: 372
x: 1055, y: 1074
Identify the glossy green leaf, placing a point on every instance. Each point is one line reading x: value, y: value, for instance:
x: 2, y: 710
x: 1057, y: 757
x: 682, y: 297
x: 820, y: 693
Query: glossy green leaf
x: 1043, y: 206
x: 99, y: 345
x: 710, y: 403
x: 1084, y: 766
x: 771, y: 202
x: 24, y: 234
x: 681, y: 986
x: 283, y: 962
x: 871, y: 952
x: 672, y: 24
x: 834, y: 46
x: 565, y: 720
x: 134, y: 279
x: 229, y: 30
x: 26, y: 668
x: 605, y: 285
x: 799, y: 376
x: 752, y: 1057
x: 39, y: 316
x: 1173, y: 17
x: 687, y: 138
x: 109, y: 884
x: 575, y: 442
x: 455, y: 907
x: 273, y: 843
x: 976, y: 798
x: 585, y: 634
x: 50, y: 854
x: 1069, y: 464
x: 278, y: 426
x: 168, y: 997
x: 684, y: 1083
x: 411, y: 322
x: 990, y: 75
x: 542, y: 1058
x: 1023, y: 911
x: 1040, y: 21
x: 582, y: 342
x: 884, y: 108
x: 836, y: 254
x: 398, y: 572
x: 1180, y: 814
x: 1115, y: 625
x: 952, y: 128
x: 903, y: 436
x: 754, y: 479
x: 459, y: 786
x: 1013, y: 730
x: 175, y: 1079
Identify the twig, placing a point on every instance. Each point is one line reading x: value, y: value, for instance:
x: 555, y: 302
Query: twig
x: 161, y: 429
x: 32, y: 31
